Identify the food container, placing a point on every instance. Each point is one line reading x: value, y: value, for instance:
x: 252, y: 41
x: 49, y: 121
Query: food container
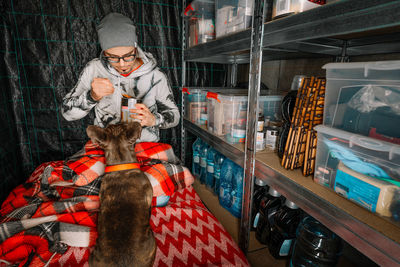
x: 287, y: 7
x: 232, y: 16
x: 228, y: 112
x: 195, y: 105
x: 362, y: 169
x: 200, y: 17
x: 364, y: 98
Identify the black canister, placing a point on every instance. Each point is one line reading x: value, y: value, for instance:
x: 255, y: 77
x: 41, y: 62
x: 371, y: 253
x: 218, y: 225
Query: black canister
x: 315, y: 245
x: 260, y: 189
x: 269, y: 205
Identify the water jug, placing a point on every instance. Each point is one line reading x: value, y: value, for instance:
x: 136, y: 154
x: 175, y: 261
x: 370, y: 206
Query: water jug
x: 315, y: 245
x: 283, y: 231
x: 210, y: 168
x: 269, y: 205
x: 225, y: 189
x: 196, y: 157
x: 218, y: 160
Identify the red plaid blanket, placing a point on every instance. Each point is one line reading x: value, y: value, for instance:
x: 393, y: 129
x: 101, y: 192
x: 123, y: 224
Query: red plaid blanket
x: 56, y: 208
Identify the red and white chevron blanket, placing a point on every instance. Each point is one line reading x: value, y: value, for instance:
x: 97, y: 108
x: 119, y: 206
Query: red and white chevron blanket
x: 51, y: 218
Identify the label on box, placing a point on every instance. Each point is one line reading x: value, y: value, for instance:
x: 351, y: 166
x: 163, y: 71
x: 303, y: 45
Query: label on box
x: 357, y: 190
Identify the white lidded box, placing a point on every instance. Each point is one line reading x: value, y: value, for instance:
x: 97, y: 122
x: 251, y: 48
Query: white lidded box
x: 287, y: 7
x: 228, y: 112
x: 362, y: 169
x: 364, y: 98
x: 195, y: 105
x: 232, y: 16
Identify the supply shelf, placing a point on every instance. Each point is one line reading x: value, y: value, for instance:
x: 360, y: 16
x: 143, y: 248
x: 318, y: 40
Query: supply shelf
x: 362, y: 27
x: 337, y: 30
x: 376, y: 237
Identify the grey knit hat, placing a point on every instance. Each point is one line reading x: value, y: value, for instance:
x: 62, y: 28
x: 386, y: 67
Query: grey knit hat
x: 116, y: 30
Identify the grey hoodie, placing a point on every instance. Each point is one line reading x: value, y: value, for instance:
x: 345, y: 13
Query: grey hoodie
x: 147, y: 83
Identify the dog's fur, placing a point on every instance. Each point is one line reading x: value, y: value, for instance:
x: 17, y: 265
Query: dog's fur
x: 125, y: 237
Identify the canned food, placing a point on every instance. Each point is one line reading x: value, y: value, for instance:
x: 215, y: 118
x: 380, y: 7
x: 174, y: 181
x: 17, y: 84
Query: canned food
x: 260, y: 141
x: 271, y: 137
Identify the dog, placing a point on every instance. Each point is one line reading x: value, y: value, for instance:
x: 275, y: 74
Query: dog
x: 124, y: 234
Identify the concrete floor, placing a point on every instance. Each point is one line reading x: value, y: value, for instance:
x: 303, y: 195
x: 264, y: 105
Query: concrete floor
x: 258, y: 254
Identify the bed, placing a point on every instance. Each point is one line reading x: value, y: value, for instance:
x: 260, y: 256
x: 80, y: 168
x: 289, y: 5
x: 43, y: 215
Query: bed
x: 50, y: 220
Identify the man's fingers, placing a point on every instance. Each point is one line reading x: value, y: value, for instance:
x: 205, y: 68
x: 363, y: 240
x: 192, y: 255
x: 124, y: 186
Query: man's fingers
x: 141, y: 106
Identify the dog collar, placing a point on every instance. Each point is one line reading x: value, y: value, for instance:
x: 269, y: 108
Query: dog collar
x: 122, y: 167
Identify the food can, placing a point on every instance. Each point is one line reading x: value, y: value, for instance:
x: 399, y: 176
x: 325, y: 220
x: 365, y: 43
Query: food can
x: 271, y: 137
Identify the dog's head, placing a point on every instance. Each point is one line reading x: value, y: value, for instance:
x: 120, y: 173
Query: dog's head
x: 117, y: 140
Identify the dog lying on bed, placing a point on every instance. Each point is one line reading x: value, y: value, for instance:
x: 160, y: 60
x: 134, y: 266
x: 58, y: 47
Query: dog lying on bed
x: 125, y: 237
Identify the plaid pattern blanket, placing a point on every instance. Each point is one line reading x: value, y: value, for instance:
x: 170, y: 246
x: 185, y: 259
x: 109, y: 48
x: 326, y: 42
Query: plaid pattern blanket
x: 56, y: 208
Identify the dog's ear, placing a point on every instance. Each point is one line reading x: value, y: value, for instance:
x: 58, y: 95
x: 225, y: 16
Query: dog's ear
x: 133, y: 131
x: 97, y: 135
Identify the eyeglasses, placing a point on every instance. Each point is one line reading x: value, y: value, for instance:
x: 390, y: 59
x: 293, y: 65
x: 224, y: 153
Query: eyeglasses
x: 127, y: 58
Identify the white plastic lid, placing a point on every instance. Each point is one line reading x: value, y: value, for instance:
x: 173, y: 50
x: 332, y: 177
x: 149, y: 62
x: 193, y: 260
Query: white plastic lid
x: 376, y: 65
x: 360, y: 140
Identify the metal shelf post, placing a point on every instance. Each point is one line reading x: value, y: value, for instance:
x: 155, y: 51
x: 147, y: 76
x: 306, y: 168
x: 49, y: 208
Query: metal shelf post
x: 252, y: 115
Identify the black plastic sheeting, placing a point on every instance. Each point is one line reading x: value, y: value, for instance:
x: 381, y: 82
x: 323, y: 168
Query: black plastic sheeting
x: 45, y: 45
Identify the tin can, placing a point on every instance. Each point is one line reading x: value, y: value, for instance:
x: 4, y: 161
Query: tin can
x: 271, y: 137
x: 260, y: 141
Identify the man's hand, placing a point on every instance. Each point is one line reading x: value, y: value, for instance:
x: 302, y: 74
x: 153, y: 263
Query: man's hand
x: 143, y: 114
x: 100, y: 88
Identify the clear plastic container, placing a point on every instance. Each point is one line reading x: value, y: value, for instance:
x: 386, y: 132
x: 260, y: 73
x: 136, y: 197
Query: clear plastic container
x: 195, y: 105
x: 364, y: 98
x: 271, y: 106
x: 232, y: 16
x: 362, y: 169
x: 228, y: 113
x: 287, y: 7
x: 200, y: 15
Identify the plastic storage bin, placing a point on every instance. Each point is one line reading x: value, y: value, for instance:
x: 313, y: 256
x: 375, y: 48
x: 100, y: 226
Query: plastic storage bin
x: 364, y: 98
x: 232, y: 16
x: 287, y: 7
x: 200, y: 15
x: 362, y: 169
x: 228, y: 113
x: 195, y: 105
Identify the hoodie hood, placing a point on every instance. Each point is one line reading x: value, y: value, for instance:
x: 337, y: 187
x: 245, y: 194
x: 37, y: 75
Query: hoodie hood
x: 149, y: 63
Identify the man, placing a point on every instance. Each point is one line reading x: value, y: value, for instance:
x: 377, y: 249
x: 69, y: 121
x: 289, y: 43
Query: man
x: 122, y: 69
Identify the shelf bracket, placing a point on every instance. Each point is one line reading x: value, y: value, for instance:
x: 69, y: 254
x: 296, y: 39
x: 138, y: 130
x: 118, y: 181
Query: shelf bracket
x: 233, y: 74
x: 343, y: 57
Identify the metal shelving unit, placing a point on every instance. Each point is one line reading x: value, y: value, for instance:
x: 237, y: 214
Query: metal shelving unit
x: 340, y: 29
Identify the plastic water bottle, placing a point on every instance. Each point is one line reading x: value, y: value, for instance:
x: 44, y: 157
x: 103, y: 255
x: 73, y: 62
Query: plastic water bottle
x: 283, y: 231
x: 315, y: 245
x: 203, y: 162
x: 210, y: 168
x: 196, y: 157
x: 225, y: 189
x: 218, y: 160
x: 237, y: 191
x: 260, y: 189
x: 269, y: 206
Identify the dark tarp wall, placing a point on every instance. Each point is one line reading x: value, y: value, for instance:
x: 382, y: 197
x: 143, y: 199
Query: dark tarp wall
x: 45, y: 46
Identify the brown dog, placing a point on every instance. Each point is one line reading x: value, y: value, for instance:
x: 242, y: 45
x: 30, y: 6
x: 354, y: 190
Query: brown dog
x: 125, y: 237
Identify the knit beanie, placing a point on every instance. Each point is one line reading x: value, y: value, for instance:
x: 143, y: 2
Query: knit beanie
x: 116, y: 30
